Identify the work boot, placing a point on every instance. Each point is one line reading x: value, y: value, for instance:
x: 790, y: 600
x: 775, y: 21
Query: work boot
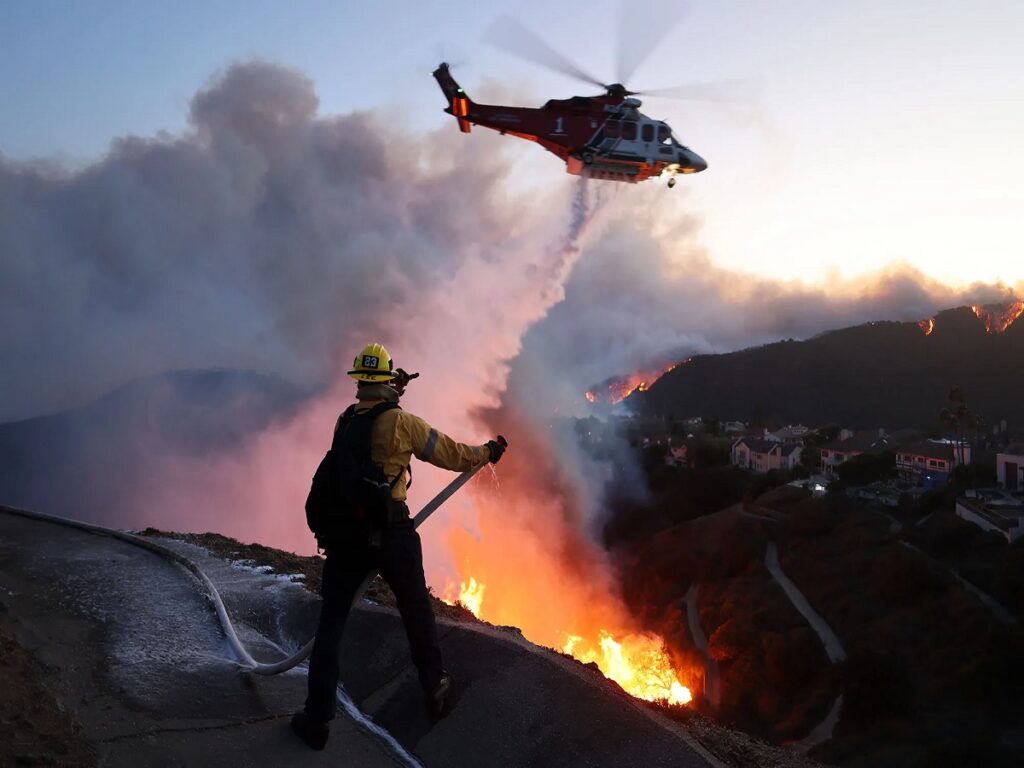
x: 313, y: 733
x: 437, y: 699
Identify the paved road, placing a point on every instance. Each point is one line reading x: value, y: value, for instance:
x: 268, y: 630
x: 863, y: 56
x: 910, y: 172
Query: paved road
x: 833, y: 647
x: 712, y: 679
x: 139, y: 657
x: 996, y: 608
x: 823, y: 731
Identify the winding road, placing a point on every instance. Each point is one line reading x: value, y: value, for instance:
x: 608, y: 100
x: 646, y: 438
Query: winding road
x: 712, y: 678
x: 833, y: 647
x: 823, y: 731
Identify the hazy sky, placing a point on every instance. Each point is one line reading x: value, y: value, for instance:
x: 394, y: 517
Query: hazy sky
x: 883, y: 131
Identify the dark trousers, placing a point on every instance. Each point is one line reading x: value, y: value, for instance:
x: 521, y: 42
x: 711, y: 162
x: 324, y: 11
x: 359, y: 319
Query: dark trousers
x: 399, y: 559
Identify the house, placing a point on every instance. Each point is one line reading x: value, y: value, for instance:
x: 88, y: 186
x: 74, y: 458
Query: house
x: 764, y: 455
x: 1010, y: 467
x: 788, y: 455
x: 788, y: 434
x: 676, y: 456
x: 1003, y: 515
x: 929, y: 463
x: 838, y: 452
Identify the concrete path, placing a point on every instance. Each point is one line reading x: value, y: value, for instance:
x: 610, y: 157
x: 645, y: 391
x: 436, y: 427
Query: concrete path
x: 823, y: 731
x: 1001, y: 612
x: 137, y: 654
x: 833, y: 647
x: 712, y: 678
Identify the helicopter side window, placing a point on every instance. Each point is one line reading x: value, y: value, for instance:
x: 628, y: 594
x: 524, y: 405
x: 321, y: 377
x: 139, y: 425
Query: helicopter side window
x: 664, y: 134
x: 612, y: 129
x: 629, y: 130
x: 647, y: 132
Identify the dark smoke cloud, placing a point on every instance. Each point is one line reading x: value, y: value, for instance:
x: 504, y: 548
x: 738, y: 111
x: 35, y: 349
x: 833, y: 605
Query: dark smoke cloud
x: 269, y: 239
x: 266, y: 238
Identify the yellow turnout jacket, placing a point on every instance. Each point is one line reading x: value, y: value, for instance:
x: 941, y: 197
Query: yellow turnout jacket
x: 398, y: 435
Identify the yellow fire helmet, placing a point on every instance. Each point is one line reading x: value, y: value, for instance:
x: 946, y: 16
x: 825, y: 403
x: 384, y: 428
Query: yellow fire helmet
x: 372, y: 364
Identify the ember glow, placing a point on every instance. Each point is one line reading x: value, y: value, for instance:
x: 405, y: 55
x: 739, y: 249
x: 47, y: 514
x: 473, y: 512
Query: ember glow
x: 927, y: 326
x: 618, y: 388
x: 999, y: 317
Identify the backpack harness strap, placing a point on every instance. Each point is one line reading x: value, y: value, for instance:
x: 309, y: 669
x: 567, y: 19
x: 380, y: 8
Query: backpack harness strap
x: 356, y: 432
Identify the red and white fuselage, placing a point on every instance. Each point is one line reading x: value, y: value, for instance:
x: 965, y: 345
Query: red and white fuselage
x: 604, y: 137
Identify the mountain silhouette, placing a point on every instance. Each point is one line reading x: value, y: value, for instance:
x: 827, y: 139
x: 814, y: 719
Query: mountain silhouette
x: 878, y: 374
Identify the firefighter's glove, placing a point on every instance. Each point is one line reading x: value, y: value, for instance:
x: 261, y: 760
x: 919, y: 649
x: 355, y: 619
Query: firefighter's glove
x: 402, y: 379
x: 496, y: 448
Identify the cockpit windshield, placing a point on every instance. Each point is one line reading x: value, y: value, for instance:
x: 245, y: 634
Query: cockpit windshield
x: 665, y: 136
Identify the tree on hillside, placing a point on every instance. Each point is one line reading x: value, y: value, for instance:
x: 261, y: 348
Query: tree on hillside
x: 867, y: 468
x: 958, y: 418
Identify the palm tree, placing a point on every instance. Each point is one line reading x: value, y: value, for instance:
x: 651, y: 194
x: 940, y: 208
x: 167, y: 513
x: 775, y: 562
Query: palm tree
x: 958, y: 418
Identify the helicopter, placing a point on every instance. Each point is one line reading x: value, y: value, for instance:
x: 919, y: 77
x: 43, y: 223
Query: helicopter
x: 603, y: 137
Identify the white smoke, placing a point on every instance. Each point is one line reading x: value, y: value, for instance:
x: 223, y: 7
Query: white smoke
x: 266, y: 238
x: 640, y: 297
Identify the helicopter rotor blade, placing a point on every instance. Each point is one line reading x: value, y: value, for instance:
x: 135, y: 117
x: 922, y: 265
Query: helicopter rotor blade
x: 633, y: 49
x: 512, y: 37
x: 721, y: 91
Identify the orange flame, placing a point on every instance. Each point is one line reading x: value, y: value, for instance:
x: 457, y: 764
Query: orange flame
x: 927, y: 326
x: 638, y: 664
x: 617, y: 389
x: 998, y: 317
x: 531, y: 553
x: 470, y: 597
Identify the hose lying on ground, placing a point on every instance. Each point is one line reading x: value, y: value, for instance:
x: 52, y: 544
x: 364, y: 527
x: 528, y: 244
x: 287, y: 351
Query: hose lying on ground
x: 244, y: 659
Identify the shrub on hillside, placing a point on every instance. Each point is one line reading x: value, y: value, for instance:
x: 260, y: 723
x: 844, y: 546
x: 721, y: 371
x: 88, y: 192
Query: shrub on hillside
x: 902, y: 578
x: 1009, y: 579
x: 790, y: 659
x: 876, y: 686
x: 731, y: 639
x: 810, y: 519
x: 737, y: 550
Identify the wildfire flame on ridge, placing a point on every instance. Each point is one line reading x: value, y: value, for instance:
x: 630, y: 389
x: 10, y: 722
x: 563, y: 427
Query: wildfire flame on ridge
x: 927, y: 325
x: 637, y: 662
x: 470, y: 596
x: 618, y: 388
x: 998, y: 317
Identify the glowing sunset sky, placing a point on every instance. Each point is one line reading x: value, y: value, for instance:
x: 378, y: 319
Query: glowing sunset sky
x: 884, y: 131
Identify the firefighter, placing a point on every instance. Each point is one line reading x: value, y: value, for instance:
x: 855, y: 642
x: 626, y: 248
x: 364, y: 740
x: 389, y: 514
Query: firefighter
x: 392, y: 548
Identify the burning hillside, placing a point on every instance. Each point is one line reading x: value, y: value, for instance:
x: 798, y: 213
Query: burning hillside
x: 618, y: 388
x: 927, y: 325
x: 529, y: 561
x: 998, y: 317
x: 638, y: 662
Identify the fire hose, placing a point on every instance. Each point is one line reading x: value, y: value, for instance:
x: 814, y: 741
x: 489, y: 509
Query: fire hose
x: 244, y: 658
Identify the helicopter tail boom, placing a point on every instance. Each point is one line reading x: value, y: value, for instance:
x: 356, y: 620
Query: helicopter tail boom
x: 458, y: 101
